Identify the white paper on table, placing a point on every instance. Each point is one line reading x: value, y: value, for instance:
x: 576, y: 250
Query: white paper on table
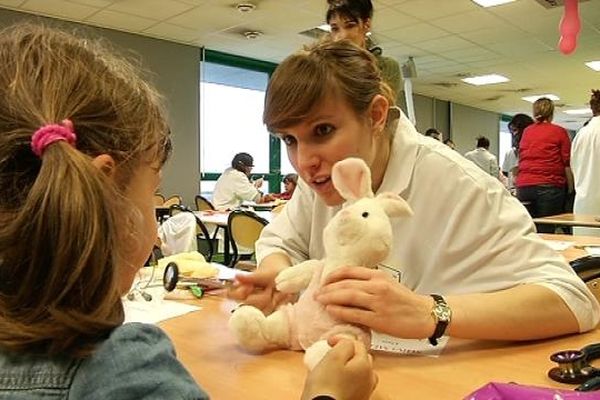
x: 559, y: 245
x: 593, y: 250
x: 155, y: 311
x: 413, y: 347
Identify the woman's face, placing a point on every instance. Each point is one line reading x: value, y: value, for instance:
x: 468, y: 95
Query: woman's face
x: 330, y: 133
x: 140, y: 192
x: 346, y: 28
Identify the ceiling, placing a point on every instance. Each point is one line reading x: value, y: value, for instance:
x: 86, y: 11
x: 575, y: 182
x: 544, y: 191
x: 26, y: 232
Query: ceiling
x: 448, y: 39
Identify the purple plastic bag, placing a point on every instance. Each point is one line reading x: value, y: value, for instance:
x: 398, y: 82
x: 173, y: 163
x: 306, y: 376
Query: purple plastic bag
x: 513, y: 391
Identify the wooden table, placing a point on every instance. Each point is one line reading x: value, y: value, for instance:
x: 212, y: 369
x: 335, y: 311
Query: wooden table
x: 207, y: 349
x: 590, y: 221
x: 209, y: 352
x: 268, y: 206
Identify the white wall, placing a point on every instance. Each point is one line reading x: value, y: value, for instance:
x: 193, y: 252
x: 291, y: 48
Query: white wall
x: 175, y: 71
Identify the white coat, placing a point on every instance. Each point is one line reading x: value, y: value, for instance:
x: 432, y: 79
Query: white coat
x: 585, y: 164
x: 467, y: 234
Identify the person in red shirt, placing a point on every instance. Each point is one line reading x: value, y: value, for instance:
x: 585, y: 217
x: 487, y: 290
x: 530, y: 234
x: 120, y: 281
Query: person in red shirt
x: 544, y: 171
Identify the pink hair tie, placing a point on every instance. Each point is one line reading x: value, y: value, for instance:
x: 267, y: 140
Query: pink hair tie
x: 51, y: 133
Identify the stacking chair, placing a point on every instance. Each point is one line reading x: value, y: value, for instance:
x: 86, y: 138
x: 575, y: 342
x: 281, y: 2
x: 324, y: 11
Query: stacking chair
x: 175, y: 199
x: 159, y: 199
x: 203, y: 204
x: 206, y: 245
x: 244, y: 228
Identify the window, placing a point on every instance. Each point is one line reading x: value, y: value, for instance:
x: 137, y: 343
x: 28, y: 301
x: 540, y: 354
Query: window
x: 232, y: 93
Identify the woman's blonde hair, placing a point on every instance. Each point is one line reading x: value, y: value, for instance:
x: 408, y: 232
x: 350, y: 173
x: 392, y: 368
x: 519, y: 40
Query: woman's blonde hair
x: 62, y: 221
x: 543, y: 109
x: 302, y: 81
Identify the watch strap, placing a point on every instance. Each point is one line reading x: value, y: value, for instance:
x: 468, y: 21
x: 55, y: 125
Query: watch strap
x: 441, y: 324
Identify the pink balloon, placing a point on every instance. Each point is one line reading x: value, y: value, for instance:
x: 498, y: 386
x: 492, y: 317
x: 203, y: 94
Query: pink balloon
x: 570, y: 25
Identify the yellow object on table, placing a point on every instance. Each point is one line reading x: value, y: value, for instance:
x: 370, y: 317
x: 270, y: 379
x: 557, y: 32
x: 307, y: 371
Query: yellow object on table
x: 191, y: 265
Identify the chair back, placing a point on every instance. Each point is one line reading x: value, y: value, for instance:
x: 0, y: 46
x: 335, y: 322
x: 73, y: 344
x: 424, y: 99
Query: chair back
x: 244, y: 229
x: 175, y: 199
x: 159, y: 199
x: 206, y: 244
x: 203, y: 204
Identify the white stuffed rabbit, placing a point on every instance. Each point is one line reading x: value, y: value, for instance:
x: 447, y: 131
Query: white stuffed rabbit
x: 360, y: 234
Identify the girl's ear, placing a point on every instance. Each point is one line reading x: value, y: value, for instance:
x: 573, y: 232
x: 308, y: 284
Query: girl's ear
x: 379, y: 112
x: 352, y: 178
x: 105, y: 163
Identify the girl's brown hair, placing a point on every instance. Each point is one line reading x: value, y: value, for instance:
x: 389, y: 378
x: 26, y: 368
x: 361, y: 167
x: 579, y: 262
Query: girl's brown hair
x: 543, y: 109
x: 595, y: 102
x: 303, y: 80
x: 62, y: 221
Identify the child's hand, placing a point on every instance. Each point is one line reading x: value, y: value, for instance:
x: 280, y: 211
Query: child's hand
x: 345, y: 373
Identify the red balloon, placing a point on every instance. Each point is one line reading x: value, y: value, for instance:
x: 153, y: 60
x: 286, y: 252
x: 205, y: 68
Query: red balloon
x: 570, y: 25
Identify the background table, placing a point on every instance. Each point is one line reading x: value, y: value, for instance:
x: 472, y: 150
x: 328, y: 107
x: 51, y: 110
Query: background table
x: 591, y: 221
x: 208, y: 350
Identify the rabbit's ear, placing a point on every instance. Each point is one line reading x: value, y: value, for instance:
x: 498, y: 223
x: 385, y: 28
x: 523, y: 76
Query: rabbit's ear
x: 352, y: 178
x: 393, y: 205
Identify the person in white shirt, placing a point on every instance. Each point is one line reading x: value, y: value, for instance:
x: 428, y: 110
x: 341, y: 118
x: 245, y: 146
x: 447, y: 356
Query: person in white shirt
x: 234, y: 186
x: 585, y: 163
x: 482, y: 157
x: 478, y: 247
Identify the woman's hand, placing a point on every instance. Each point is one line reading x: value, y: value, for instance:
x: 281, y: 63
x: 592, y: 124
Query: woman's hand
x: 346, y: 372
x: 258, y: 288
x: 374, y: 299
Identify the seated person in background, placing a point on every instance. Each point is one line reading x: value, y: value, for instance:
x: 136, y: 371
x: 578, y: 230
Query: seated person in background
x: 86, y: 163
x: 482, y: 157
x: 234, y: 186
x: 434, y: 134
x: 500, y: 280
x: 289, y: 184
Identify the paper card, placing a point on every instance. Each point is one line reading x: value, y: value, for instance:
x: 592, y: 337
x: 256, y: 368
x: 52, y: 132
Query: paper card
x: 413, y: 347
x: 593, y: 250
x: 156, y: 310
x: 391, y: 344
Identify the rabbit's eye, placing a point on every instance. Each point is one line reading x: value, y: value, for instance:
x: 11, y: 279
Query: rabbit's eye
x: 365, y: 214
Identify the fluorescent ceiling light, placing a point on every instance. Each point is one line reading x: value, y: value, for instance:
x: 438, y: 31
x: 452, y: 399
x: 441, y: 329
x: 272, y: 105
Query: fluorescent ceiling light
x: 324, y: 27
x: 532, y: 99
x: 491, y: 3
x: 486, y: 79
x: 595, y: 65
x: 579, y: 111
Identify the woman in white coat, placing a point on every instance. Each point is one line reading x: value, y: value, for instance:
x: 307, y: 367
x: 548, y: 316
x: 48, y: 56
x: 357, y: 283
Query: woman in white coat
x: 585, y: 163
x: 468, y: 262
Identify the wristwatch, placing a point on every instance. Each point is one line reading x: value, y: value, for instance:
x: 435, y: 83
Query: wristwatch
x: 442, y: 314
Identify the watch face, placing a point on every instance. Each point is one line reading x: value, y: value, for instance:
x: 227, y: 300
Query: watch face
x: 442, y: 312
